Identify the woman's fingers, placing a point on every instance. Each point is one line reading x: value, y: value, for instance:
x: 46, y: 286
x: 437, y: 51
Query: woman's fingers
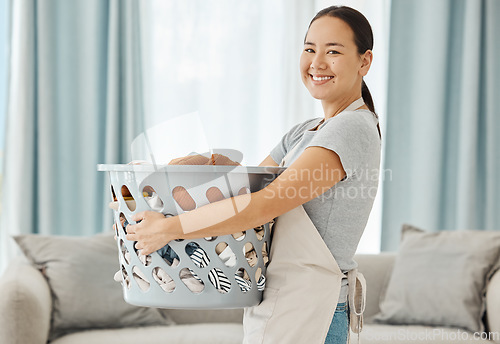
x: 130, y: 229
x: 131, y: 237
x: 139, y: 216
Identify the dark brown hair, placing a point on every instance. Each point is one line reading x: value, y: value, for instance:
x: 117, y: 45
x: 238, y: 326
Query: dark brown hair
x: 363, y: 38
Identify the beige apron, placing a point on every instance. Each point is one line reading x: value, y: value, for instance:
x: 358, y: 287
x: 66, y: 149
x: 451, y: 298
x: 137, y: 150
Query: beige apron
x: 302, y: 288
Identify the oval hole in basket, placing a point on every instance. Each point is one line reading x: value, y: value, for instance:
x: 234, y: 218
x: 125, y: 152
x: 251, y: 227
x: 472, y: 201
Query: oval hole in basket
x: 191, y: 281
x: 261, y: 279
x: 219, y: 280
x: 260, y: 231
x: 197, y: 254
x: 123, y: 222
x: 152, y: 198
x: 125, y: 278
x: 239, y: 236
x: 168, y: 254
x: 265, y: 254
x: 145, y: 260
x: 140, y: 279
x: 250, y: 254
x: 163, y: 279
x: 113, y: 195
x: 226, y: 254
x: 183, y: 198
x: 129, y: 199
x: 214, y: 194
x: 243, y: 279
x: 243, y: 191
x: 125, y: 253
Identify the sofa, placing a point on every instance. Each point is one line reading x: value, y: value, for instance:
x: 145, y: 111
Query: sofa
x: 26, y: 305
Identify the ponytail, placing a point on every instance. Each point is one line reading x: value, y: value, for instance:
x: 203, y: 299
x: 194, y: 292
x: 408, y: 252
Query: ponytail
x: 367, y: 98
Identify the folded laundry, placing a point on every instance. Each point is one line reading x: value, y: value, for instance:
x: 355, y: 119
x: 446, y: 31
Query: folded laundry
x: 227, y: 255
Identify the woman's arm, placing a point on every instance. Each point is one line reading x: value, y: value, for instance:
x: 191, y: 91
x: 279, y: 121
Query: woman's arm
x: 315, y: 171
x: 268, y: 162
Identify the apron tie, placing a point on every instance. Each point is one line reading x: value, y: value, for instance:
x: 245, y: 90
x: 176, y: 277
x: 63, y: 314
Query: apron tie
x: 357, y: 300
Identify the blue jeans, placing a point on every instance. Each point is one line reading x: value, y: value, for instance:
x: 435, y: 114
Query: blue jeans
x: 339, y: 328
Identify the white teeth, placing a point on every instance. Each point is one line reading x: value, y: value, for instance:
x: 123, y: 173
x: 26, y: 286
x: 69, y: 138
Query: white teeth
x: 316, y: 78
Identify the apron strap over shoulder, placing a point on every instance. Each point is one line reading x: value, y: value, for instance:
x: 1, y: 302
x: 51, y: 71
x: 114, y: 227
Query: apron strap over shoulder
x: 357, y: 300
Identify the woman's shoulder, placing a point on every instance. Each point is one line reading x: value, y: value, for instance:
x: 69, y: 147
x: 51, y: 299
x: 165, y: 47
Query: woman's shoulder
x: 301, y: 127
x: 358, y: 123
x: 356, y: 118
x: 309, y: 123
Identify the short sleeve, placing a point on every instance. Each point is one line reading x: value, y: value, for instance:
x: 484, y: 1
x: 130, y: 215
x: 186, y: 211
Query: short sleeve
x: 288, y: 141
x: 353, y: 136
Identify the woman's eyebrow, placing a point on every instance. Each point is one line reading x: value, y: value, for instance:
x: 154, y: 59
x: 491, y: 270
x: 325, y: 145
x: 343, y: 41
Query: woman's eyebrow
x: 332, y: 44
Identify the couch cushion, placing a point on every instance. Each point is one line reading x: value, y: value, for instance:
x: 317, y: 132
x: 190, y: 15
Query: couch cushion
x: 190, y: 316
x: 377, y: 269
x: 177, y: 334
x: 439, y: 279
x: 80, y: 272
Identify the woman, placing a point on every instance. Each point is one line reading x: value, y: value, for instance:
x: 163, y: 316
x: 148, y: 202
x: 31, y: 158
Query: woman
x: 332, y: 170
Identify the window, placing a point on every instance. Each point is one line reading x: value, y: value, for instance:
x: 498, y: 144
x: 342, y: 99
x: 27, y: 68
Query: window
x: 237, y: 64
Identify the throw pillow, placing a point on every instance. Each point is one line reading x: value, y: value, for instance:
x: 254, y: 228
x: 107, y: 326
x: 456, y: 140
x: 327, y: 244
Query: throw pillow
x: 439, y: 278
x: 80, y: 272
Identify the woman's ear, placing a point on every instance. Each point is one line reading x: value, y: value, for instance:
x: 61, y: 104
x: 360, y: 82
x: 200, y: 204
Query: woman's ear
x: 366, y: 62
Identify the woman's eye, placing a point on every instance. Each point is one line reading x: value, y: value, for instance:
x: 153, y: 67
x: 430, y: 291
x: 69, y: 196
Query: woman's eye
x: 333, y: 52
x: 309, y: 50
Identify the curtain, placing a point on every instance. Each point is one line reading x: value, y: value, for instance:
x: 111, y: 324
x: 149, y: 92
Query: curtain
x: 74, y: 101
x: 443, y: 124
x: 4, y: 46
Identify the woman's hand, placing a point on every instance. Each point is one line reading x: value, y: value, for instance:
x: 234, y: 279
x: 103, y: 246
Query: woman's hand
x: 152, y: 232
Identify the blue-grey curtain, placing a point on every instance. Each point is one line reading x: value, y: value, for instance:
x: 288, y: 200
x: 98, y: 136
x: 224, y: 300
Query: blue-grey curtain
x: 75, y: 101
x: 442, y: 158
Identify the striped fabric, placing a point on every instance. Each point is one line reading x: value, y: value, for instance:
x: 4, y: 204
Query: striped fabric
x: 200, y: 258
x: 261, y: 284
x: 218, y: 279
x: 245, y: 285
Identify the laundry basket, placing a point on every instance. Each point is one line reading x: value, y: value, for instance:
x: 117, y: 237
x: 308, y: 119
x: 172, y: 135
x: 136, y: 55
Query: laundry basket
x: 209, y: 273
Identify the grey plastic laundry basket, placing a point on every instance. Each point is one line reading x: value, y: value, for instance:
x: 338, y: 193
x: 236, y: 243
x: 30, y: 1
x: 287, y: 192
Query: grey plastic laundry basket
x: 196, y: 180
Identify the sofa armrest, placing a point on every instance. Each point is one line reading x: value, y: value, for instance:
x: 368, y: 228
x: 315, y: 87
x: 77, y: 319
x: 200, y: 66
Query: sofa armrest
x: 493, y: 306
x: 25, y: 305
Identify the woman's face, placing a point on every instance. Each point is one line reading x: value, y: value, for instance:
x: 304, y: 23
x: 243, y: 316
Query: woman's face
x: 330, y: 65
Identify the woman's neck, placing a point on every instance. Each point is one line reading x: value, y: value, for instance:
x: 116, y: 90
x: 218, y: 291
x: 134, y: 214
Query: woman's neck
x: 332, y: 109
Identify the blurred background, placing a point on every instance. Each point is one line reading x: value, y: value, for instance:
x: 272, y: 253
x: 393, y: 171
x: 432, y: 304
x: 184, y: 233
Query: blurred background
x: 79, y: 80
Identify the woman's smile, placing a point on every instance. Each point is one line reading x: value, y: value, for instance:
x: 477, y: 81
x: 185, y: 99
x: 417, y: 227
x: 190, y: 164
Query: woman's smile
x: 318, y: 79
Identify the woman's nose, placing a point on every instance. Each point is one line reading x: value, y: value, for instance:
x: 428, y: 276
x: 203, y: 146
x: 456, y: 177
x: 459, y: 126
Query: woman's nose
x: 318, y: 62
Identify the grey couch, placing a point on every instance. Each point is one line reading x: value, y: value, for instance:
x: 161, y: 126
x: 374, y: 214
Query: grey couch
x: 25, y: 294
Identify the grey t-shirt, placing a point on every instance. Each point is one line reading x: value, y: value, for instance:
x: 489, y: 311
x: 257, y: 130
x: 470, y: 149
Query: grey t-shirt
x: 341, y: 213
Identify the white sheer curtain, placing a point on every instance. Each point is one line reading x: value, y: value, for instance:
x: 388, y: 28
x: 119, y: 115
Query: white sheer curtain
x: 237, y: 63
